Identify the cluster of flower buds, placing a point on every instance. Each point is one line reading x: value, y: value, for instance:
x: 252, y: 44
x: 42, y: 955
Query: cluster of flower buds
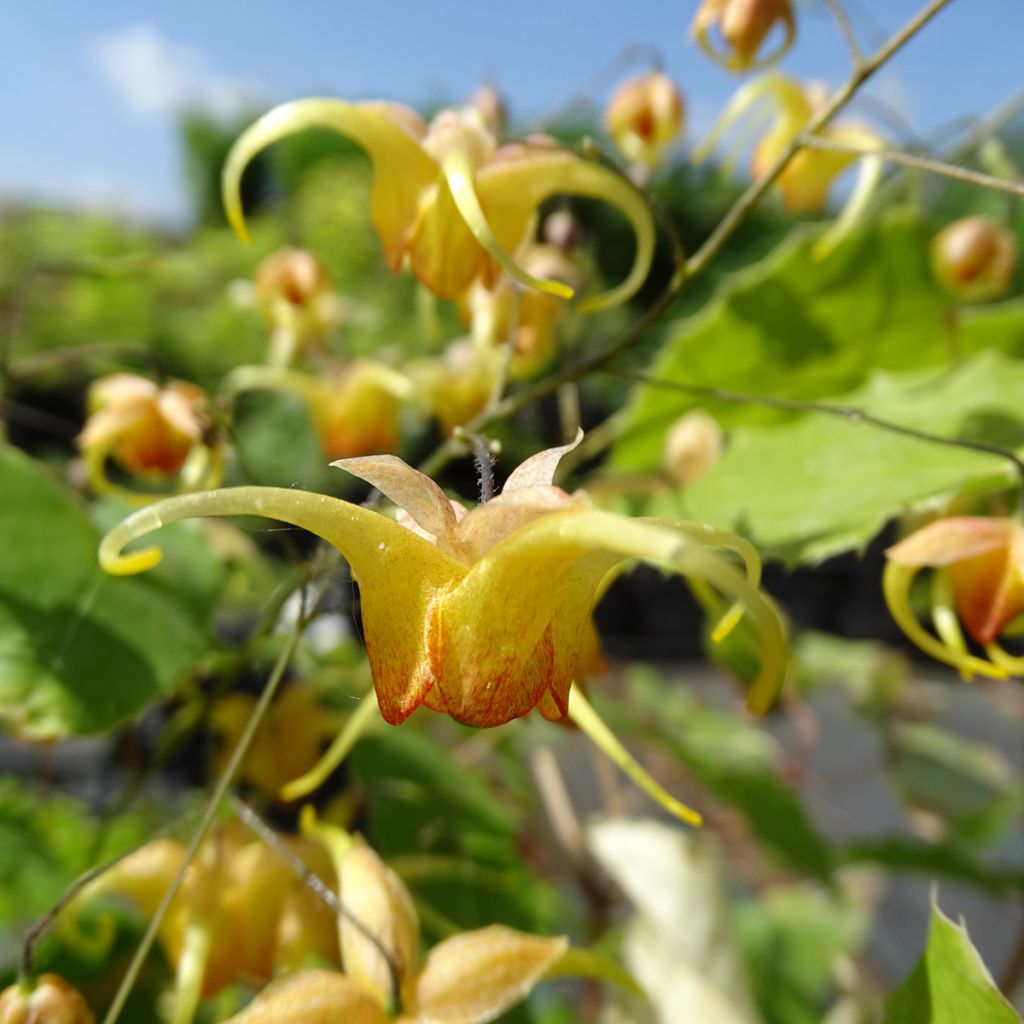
x: 743, y: 27
x: 150, y: 431
x: 974, y: 259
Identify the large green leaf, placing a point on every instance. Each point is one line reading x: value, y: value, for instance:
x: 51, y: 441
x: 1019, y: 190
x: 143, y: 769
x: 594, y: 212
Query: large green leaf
x: 79, y: 651
x: 818, y: 485
x: 796, y: 327
x: 950, y: 984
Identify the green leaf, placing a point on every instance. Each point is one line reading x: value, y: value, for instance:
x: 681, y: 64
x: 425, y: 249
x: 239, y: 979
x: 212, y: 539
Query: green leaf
x: 950, y: 984
x: 843, y: 480
x: 79, y: 651
x: 797, y: 327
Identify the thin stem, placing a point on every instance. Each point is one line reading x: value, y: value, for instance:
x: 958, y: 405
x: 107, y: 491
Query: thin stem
x: 856, y: 54
x: 850, y: 413
x: 209, y: 814
x: 920, y: 163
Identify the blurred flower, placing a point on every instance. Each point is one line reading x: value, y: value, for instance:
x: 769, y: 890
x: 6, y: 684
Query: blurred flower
x: 979, y: 582
x: 693, y: 445
x: 241, y: 911
x: 470, y: 977
x: 48, y: 999
x: 458, y: 384
x: 151, y: 431
x: 445, y: 198
x: 974, y: 258
x: 743, y: 26
x: 293, y: 293
x: 355, y: 408
x: 491, y: 105
x: 806, y: 181
x: 483, y: 613
x: 645, y: 116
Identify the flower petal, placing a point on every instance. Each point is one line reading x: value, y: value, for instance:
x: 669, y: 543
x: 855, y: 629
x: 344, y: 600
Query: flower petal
x: 312, y: 997
x: 402, y: 170
x: 539, y: 470
x: 399, y: 573
x: 949, y: 540
x: 473, y: 977
x: 514, y: 185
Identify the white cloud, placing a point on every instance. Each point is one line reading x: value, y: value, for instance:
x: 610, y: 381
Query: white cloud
x: 158, y: 77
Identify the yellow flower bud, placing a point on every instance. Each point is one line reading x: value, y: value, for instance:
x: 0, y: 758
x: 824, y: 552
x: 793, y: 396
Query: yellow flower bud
x: 693, y: 445
x: 645, y: 116
x: 974, y: 259
x: 50, y: 1000
x: 743, y: 26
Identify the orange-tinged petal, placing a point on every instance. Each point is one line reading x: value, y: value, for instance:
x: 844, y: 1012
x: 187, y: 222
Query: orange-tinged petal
x: 514, y: 185
x: 539, y: 470
x: 400, y: 574
x: 473, y: 977
x: 950, y: 540
x: 989, y: 589
x: 402, y: 170
x: 313, y: 997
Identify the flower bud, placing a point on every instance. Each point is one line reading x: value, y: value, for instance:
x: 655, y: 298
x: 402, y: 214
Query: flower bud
x: 974, y: 259
x: 645, y: 116
x: 50, y: 1000
x: 743, y: 26
x: 692, y: 446
x: 561, y: 229
x: 489, y: 102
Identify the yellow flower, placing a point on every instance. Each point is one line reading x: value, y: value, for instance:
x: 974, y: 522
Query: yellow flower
x: 293, y: 293
x: 483, y: 613
x: 445, y: 197
x: 151, y: 431
x: 979, y: 580
x: 805, y: 183
x: 355, y: 407
x: 645, y: 116
x: 974, y: 258
x: 743, y: 25
x: 470, y: 977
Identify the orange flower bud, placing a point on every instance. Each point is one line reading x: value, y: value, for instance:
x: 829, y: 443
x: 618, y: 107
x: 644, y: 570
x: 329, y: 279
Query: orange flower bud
x: 974, y: 258
x: 645, y: 116
x: 50, y: 1000
x: 693, y: 445
x: 743, y: 26
x: 293, y: 293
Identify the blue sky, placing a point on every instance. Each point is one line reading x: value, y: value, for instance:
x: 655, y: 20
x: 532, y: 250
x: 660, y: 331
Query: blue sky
x: 89, y: 91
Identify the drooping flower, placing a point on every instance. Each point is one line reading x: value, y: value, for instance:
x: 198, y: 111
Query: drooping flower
x: 457, y: 385
x: 468, y: 978
x: 48, y: 999
x: 355, y: 407
x: 294, y: 295
x: 974, y: 258
x: 152, y: 432
x: 978, y: 581
x: 241, y: 911
x: 645, y: 116
x: 743, y: 25
x: 445, y: 197
x: 482, y: 614
x: 805, y: 183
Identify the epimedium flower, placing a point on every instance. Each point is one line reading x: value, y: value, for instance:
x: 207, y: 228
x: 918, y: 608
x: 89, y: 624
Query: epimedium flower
x: 805, y: 183
x: 241, y: 911
x: 355, y: 407
x: 645, y: 116
x: 292, y: 291
x: 467, y: 978
x: 978, y: 582
x: 484, y: 613
x: 446, y: 198
x: 743, y: 26
x: 151, y: 431
x: 48, y: 999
